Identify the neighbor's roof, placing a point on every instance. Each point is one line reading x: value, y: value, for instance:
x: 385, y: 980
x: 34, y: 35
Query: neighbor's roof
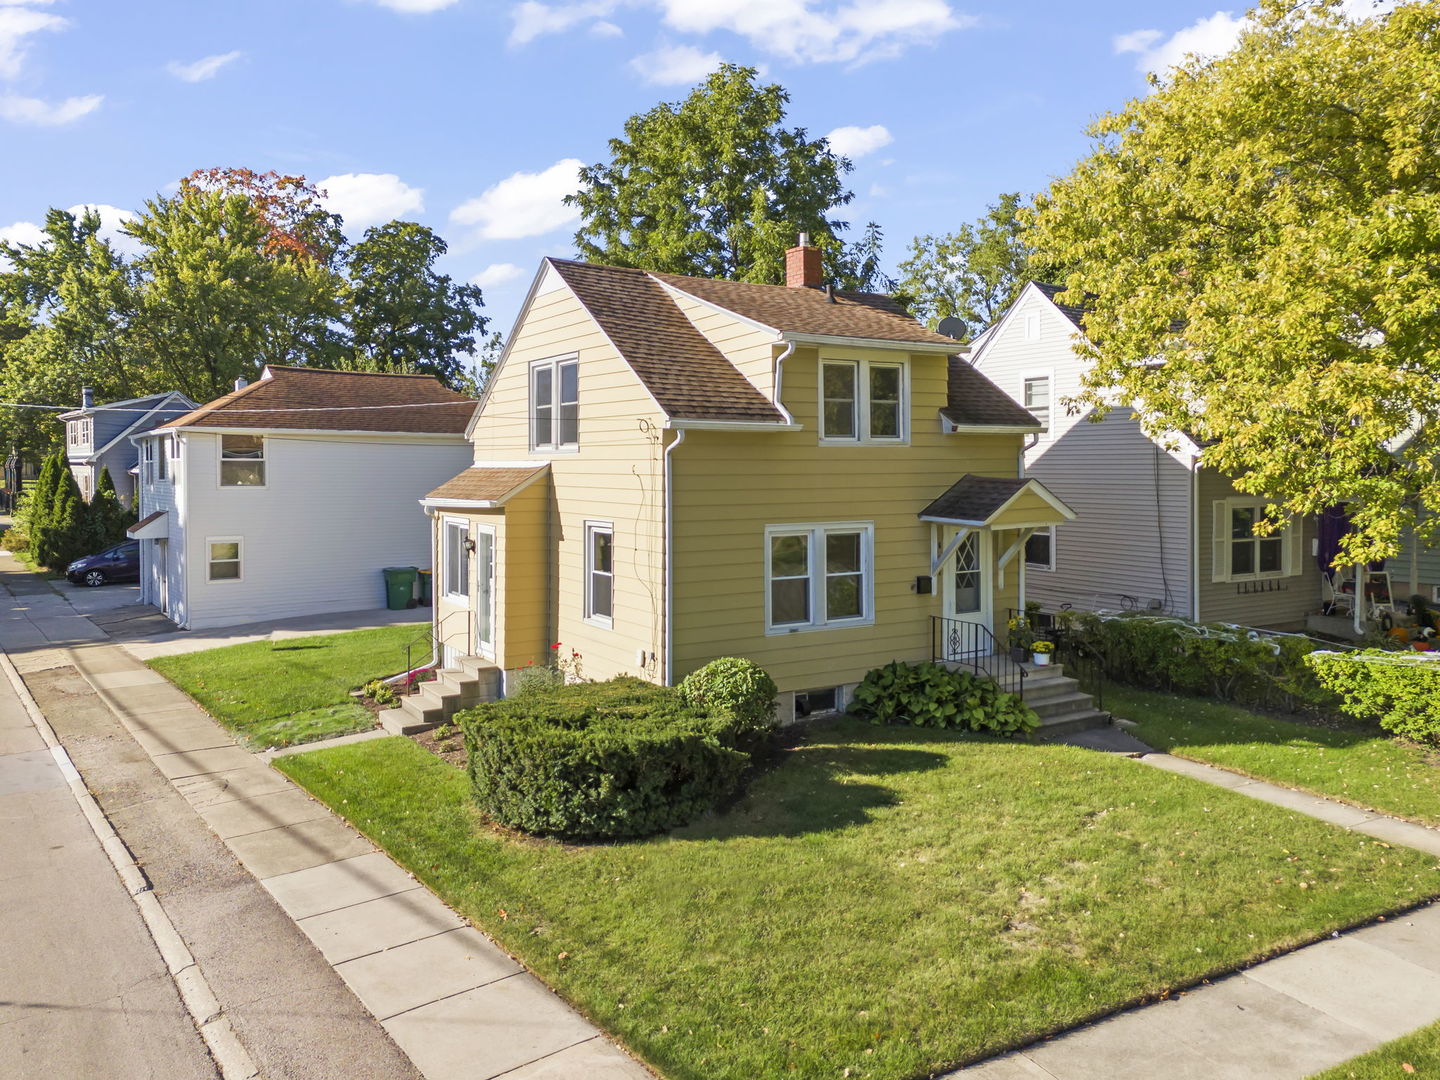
x: 317, y: 399
x: 1075, y: 314
x: 481, y: 483
x: 138, y: 405
x: 687, y: 376
x: 974, y: 401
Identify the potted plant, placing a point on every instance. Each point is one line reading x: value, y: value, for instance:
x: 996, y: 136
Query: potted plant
x: 1040, y: 652
x: 1020, y: 638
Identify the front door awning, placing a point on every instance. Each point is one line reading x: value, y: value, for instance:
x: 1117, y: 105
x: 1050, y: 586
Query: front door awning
x: 998, y: 502
x: 154, y: 526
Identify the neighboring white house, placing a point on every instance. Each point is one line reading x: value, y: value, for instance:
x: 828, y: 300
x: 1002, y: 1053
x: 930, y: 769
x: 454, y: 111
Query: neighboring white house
x: 1154, y: 530
x: 289, y: 496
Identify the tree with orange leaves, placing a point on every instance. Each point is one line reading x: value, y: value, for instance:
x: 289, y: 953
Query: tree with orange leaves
x: 290, y: 207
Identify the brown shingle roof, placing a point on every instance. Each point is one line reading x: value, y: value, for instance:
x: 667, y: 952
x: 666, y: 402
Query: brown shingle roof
x: 317, y: 399
x: 972, y: 399
x: 687, y: 376
x: 974, y: 498
x: 481, y: 483
x: 867, y: 316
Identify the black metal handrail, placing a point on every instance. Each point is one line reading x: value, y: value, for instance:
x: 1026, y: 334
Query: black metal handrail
x: 1081, y: 660
x: 433, y: 637
x: 972, y: 645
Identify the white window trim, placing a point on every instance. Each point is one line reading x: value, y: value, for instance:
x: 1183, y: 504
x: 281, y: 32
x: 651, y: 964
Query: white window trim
x: 220, y: 460
x: 239, y: 542
x: 605, y: 622
x: 862, y: 403
x: 1048, y: 374
x: 816, y: 531
x: 1291, y: 560
x: 1044, y: 567
x: 552, y: 447
x: 460, y: 599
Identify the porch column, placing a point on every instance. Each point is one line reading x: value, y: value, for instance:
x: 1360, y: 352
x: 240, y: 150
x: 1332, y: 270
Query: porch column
x: 1020, y: 585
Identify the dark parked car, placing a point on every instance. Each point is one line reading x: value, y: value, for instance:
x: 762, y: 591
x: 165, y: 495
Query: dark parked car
x: 118, y: 563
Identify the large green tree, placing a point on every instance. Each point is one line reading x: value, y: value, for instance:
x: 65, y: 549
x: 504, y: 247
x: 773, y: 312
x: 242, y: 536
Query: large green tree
x: 713, y: 186
x: 1262, y: 234
x: 974, y: 273
x: 403, y: 315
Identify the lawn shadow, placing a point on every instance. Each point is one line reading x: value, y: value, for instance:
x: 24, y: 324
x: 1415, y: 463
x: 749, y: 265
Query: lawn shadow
x: 810, y: 788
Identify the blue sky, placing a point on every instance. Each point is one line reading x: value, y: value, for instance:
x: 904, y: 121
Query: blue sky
x: 469, y: 115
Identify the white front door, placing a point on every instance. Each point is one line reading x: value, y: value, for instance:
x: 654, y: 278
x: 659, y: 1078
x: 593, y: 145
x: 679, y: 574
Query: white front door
x: 485, y: 591
x: 968, y: 600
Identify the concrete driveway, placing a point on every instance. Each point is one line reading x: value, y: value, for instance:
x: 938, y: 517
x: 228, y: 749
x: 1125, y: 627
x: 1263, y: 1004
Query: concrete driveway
x: 104, y: 598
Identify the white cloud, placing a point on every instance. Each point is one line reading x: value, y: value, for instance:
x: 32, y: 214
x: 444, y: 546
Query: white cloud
x: 200, y: 70
x: 17, y: 24
x: 364, y: 199
x: 37, y: 113
x: 675, y: 64
x: 415, y: 7
x: 524, y: 204
x: 22, y: 232
x: 111, y: 218
x: 856, y: 31
x: 497, y: 274
x: 1210, y: 37
x: 606, y: 29
x: 855, y: 142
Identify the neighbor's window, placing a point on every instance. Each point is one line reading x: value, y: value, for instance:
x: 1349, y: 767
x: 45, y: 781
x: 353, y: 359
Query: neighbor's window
x: 818, y: 575
x: 1252, y: 555
x: 600, y: 573
x: 862, y: 401
x: 555, y: 405
x: 456, y: 556
x: 1040, y: 549
x: 224, y: 559
x: 162, y: 458
x: 1037, y: 400
x: 242, y: 461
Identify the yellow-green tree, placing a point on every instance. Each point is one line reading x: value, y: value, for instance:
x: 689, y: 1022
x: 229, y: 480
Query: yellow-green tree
x: 1262, y: 236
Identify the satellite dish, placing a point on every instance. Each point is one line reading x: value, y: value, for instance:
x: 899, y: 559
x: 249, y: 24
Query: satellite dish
x: 953, y: 327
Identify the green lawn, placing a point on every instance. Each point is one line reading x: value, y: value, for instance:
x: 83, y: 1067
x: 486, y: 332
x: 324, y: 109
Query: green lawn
x: 1369, y: 769
x: 1420, y: 1050
x: 887, y: 901
x: 280, y: 693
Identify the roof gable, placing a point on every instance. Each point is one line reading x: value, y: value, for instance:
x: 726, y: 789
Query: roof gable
x: 991, y: 501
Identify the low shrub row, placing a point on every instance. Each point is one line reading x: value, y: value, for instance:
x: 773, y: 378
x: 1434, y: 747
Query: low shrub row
x: 1230, y: 663
x: 931, y: 695
x: 1398, y: 690
x: 620, y: 758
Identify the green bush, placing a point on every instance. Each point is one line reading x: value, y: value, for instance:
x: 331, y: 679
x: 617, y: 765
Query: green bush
x: 1230, y: 663
x: 1398, y: 690
x: 931, y: 695
x: 599, y: 761
x: 741, y: 686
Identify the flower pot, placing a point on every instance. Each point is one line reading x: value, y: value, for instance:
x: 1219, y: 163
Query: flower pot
x: 1040, y: 659
x: 1018, y: 653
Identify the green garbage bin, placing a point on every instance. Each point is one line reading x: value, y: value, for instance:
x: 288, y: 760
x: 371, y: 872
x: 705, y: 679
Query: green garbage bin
x: 425, y: 594
x: 399, y: 587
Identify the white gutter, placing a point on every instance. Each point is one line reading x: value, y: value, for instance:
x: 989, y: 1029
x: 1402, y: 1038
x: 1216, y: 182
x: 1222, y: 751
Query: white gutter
x: 946, y: 349
x: 780, y: 381
x: 729, y: 425
x: 669, y: 642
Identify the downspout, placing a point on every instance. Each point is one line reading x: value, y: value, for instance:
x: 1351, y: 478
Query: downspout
x: 780, y: 382
x: 670, y: 550
x: 1194, y: 539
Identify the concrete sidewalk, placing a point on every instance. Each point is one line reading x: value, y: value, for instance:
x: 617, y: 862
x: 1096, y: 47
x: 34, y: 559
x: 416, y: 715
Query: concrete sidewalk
x: 455, y: 1003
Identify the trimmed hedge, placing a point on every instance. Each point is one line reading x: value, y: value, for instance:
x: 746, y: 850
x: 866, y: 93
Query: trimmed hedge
x: 741, y: 686
x: 1400, y: 691
x: 601, y: 761
x: 931, y: 695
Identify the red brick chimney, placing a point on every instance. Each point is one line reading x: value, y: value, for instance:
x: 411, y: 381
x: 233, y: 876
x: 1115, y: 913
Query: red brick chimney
x: 802, y: 265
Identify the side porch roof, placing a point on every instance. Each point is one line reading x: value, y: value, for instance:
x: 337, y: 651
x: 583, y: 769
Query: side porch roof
x: 485, y: 487
x: 998, y: 502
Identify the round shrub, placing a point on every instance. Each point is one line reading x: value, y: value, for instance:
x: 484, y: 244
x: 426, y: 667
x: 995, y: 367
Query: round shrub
x: 600, y: 761
x: 741, y: 686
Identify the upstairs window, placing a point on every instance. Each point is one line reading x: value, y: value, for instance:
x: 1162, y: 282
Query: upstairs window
x: 555, y: 405
x: 242, y: 460
x: 162, y: 458
x: 862, y: 401
x: 1037, y: 399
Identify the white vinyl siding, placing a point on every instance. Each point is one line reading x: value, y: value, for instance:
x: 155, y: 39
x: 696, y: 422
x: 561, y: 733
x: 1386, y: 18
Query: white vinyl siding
x: 555, y: 404
x: 819, y: 576
x: 242, y: 460
x: 863, y: 401
x: 600, y: 573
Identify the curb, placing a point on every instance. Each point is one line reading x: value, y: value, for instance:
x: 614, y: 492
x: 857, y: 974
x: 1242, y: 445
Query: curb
x: 230, y: 1056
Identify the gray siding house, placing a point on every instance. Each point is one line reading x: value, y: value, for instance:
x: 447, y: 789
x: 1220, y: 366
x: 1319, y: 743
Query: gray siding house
x: 98, y: 437
x: 1154, y: 530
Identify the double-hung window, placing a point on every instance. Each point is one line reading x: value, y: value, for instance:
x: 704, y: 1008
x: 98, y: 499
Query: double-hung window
x: 455, y: 553
x: 600, y: 573
x: 1040, y: 549
x: 555, y: 404
x: 862, y: 401
x: 162, y: 457
x: 223, y: 558
x: 1241, y: 553
x: 1037, y: 399
x: 819, y: 576
x: 242, y: 460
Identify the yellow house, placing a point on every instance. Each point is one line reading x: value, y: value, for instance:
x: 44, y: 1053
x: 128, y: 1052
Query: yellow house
x: 671, y: 469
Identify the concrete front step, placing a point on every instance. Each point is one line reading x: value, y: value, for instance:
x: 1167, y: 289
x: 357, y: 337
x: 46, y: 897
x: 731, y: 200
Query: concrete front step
x: 470, y: 682
x: 1069, y: 723
x: 1060, y: 704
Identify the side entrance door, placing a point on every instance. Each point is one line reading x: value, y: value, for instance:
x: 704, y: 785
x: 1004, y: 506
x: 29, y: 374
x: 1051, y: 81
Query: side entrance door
x: 484, y: 605
x: 969, y: 618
